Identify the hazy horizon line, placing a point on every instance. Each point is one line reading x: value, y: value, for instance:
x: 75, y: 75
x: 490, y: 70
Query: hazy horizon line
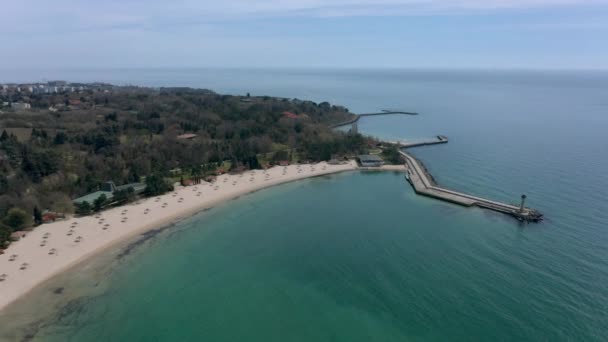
x: 304, y: 68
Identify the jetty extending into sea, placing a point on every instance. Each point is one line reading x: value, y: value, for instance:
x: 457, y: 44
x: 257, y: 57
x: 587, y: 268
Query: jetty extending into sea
x: 424, y: 184
x: 440, y: 139
x: 359, y: 116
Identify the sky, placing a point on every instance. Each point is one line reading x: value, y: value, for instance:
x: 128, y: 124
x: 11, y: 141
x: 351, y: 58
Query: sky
x: 486, y: 34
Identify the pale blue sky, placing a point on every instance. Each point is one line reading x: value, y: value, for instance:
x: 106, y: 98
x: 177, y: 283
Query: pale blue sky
x: 561, y: 34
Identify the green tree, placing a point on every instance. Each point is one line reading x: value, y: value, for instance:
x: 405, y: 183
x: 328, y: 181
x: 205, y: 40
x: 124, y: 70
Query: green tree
x: 99, y: 202
x: 130, y: 194
x: 156, y: 185
x: 83, y: 208
x: 37, y: 216
x: 3, y: 184
x: 60, y: 138
x: 5, y: 233
x: 16, y: 219
x: 120, y: 197
x: 391, y: 155
x: 280, y: 155
x: 253, y: 163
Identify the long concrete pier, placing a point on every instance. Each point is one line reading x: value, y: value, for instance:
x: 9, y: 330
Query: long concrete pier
x: 388, y: 112
x: 359, y: 116
x: 440, y: 139
x: 424, y: 184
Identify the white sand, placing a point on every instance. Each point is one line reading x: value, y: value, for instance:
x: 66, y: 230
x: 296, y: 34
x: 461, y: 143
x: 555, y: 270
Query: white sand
x: 183, y: 202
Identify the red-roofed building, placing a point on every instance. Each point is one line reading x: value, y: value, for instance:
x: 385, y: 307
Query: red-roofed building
x: 49, y: 217
x: 290, y: 115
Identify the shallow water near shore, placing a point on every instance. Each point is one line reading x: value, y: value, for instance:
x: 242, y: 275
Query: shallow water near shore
x: 360, y: 257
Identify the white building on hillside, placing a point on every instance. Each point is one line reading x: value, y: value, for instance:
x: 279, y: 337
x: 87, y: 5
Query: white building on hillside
x: 20, y: 106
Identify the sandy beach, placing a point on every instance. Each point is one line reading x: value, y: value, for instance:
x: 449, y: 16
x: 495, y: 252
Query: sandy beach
x: 52, y: 248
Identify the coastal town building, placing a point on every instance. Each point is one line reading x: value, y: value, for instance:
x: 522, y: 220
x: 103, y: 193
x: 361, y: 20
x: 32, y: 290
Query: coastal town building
x: 108, y: 189
x: 186, y: 136
x: 368, y: 160
x: 20, y: 106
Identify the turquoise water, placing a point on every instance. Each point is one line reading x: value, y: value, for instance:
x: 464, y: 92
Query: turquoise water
x: 359, y: 257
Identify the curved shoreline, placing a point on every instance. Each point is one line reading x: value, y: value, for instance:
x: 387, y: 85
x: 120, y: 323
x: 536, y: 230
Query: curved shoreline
x: 182, y: 203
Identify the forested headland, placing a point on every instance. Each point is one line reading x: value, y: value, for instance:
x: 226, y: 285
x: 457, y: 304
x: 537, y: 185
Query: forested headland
x: 68, y: 143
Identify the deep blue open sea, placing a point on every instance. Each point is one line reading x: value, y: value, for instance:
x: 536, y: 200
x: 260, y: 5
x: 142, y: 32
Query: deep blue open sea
x: 359, y: 256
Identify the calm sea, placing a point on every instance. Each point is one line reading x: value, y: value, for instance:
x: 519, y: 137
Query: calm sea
x: 360, y: 257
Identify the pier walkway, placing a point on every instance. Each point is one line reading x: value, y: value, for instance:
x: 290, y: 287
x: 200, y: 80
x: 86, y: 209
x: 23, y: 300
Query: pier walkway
x: 440, y: 139
x: 423, y: 184
x: 359, y: 116
x: 388, y: 112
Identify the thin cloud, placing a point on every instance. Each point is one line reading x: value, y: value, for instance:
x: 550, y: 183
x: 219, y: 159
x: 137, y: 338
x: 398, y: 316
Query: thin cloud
x: 40, y: 15
x: 327, y: 8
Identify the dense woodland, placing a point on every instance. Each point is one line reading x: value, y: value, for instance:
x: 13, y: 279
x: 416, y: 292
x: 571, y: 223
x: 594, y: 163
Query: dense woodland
x: 68, y: 144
